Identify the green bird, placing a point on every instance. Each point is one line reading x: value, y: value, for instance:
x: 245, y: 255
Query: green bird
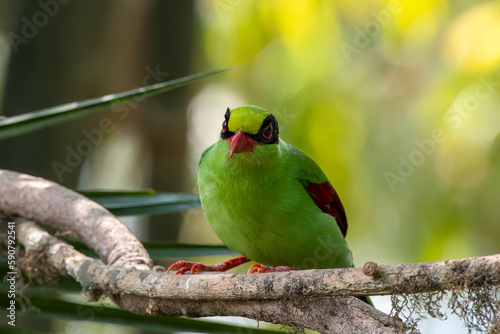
x: 268, y: 201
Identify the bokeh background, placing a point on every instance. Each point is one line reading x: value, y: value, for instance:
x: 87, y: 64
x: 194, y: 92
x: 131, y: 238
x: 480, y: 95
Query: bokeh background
x: 397, y: 101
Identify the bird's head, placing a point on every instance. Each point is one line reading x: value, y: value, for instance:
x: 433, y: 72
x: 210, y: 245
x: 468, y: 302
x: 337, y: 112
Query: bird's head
x: 247, y: 127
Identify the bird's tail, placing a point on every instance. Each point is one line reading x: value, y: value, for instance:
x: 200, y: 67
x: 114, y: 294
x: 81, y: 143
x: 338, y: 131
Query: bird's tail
x: 367, y: 300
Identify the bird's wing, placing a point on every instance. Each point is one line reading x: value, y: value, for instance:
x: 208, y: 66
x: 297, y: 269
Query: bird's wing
x: 326, y: 198
x: 320, y: 189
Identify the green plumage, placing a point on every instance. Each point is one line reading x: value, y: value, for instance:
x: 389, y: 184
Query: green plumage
x: 258, y: 205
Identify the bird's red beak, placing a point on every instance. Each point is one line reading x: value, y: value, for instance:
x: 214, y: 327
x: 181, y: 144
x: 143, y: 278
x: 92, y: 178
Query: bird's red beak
x: 241, y: 142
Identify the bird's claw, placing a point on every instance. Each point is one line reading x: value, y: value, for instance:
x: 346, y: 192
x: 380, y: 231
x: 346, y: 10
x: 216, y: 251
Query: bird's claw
x: 181, y: 267
x: 259, y: 268
x: 193, y: 267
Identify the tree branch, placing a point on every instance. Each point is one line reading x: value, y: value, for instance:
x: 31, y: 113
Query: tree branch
x: 153, y: 293
x: 47, y: 202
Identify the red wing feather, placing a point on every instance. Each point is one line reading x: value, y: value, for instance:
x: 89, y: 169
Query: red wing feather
x: 326, y: 198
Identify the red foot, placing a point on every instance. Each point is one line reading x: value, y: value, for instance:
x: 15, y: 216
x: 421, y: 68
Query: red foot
x: 184, y: 266
x: 259, y: 268
x: 181, y: 267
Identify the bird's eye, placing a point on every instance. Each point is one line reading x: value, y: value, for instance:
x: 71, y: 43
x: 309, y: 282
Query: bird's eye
x: 224, y: 126
x: 268, y: 131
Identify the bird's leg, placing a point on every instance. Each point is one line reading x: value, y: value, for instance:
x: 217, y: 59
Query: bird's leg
x: 259, y: 268
x: 183, y: 266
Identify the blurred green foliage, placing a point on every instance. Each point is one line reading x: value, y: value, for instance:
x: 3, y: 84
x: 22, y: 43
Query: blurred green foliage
x: 396, y: 100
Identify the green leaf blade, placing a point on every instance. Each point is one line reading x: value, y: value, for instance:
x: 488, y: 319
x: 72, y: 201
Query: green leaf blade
x: 35, y: 120
x: 156, y: 204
